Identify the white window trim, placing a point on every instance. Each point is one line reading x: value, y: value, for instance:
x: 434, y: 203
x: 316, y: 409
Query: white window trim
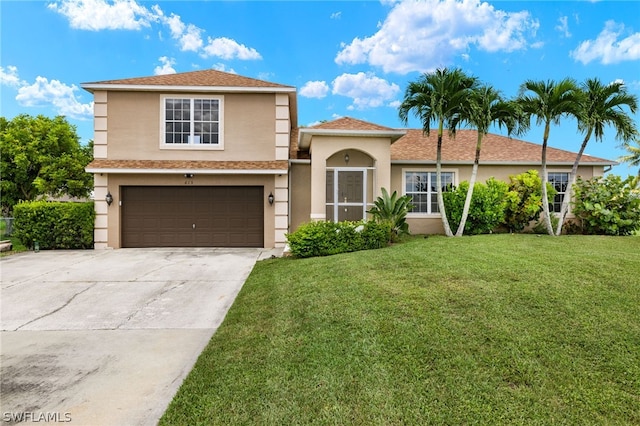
x: 423, y: 170
x: 198, y: 147
x: 568, y: 173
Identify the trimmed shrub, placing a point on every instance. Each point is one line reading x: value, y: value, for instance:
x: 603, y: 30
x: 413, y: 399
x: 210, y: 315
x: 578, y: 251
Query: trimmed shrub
x: 55, y: 225
x: 327, y: 238
x: 487, y: 209
x: 608, y: 206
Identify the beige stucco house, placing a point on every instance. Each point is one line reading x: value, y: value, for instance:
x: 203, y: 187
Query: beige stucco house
x: 212, y: 159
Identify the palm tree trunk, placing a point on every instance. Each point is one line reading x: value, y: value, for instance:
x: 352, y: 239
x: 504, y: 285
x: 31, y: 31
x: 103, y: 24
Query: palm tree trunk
x: 572, y: 181
x: 545, y: 195
x: 472, y: 183
x: 441, y: 208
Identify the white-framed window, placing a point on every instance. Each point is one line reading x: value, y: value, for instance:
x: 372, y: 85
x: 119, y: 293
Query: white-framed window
x: 560, y: 181
x: 192, y: 122
x: 421, y: 185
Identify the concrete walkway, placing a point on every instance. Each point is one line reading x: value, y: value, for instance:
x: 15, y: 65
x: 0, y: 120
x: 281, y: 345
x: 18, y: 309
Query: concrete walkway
x: 107, y: 337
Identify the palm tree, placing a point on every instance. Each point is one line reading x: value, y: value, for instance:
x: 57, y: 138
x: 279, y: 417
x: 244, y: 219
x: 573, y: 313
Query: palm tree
x: 548, y: 102
x: 486, y: 107
x: 601, y: 105
x: 437, y: 97
x: 633, y: 157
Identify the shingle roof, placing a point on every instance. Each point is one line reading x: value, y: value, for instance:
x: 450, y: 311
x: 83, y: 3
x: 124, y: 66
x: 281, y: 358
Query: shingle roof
x: 348, y: 123
x: 209, y: 77
x: 415, y: 145
x: 184, y: 165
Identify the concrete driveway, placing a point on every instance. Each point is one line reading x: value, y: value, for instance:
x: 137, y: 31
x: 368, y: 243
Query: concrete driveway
x: 107, y: 337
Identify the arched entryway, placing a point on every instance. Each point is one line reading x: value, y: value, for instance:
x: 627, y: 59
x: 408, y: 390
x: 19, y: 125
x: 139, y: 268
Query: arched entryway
x: 350, y: 177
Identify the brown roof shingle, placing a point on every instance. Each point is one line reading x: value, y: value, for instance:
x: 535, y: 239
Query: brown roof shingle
x: 415, y: 145
x: 348, y: 123
x: 187, y: 165
x: 209, y: 77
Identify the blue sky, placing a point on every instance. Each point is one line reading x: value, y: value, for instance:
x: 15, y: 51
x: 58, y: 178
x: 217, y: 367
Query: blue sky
x: 347, y: 58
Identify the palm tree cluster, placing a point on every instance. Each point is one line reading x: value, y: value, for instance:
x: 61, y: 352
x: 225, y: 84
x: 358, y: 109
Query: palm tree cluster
x: 449, y: 98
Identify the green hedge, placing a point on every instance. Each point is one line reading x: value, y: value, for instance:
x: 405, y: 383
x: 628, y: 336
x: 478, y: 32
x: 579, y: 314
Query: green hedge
x: 54, y: 225
x: 327, y: 238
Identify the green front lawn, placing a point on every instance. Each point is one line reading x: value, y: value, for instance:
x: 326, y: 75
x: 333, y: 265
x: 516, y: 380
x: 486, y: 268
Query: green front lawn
x: 495, y: 329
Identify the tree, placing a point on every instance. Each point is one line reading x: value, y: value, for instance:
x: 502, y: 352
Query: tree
x: 548, y: 102
x: 438, y: 97
x: 633, y: 157
x: 41, y: 156
x: 601, y: 106
x: 486, y: 107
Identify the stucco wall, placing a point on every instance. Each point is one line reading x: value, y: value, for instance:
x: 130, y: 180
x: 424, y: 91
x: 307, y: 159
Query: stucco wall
x: 134, y: 125
x: 300, y: 175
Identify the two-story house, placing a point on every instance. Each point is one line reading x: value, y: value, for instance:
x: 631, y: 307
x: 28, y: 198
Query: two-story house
x: 212, y: 159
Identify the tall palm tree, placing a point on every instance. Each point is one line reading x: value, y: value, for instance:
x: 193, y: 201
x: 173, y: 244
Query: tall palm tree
x: 548, y: 102
x: 486, y: 107
x: 437, y: 97
x: 633, y: 157
x: 602, y: 105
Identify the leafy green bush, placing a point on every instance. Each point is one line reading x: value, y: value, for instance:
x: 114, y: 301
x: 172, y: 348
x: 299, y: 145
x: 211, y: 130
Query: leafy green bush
x: 54, y: 225
x: 487, y: 210
x: 393, y: 210
x: 609, y: 206
x: 327, y: 238
x: 524, y: 203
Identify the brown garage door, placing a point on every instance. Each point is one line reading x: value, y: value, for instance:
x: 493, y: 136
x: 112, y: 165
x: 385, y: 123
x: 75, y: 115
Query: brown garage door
x: 211, y: 216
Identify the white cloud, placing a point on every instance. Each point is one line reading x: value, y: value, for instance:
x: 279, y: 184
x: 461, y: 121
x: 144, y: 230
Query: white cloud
x: 98, y: 15
x: 222, y: 67
x: 188, y: 35
x: 336, y: 15
x: 166, y: 67
x: 54, y: 93
x: 421, y: 35
x: 314, y: 89
x: 608, y: 48
x: 366, y: 90
x: 563, y: 26
x: 129, y: 15
x: 227, y: 48
x: 9, y: 77
x: 266, y: 76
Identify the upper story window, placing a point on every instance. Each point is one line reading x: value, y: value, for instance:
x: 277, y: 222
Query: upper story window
x: 422, y: 187
x: 560, y: 182
x: 192, y: 122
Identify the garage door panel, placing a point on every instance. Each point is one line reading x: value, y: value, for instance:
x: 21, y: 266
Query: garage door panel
x: 165, y: 217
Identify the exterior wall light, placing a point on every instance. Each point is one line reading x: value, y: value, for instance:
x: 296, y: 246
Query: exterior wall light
x: 270, y: 198
x: 109, y: 198
x: 346, y: 158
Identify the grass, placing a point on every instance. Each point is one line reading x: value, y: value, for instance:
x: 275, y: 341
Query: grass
x: 499, y: 329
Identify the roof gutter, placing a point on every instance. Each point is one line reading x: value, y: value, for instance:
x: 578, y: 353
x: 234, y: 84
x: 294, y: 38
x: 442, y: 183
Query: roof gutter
x: 114, y: 170
x: 91, y: 87
x: 305, y: 134
x: 506, y: 163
